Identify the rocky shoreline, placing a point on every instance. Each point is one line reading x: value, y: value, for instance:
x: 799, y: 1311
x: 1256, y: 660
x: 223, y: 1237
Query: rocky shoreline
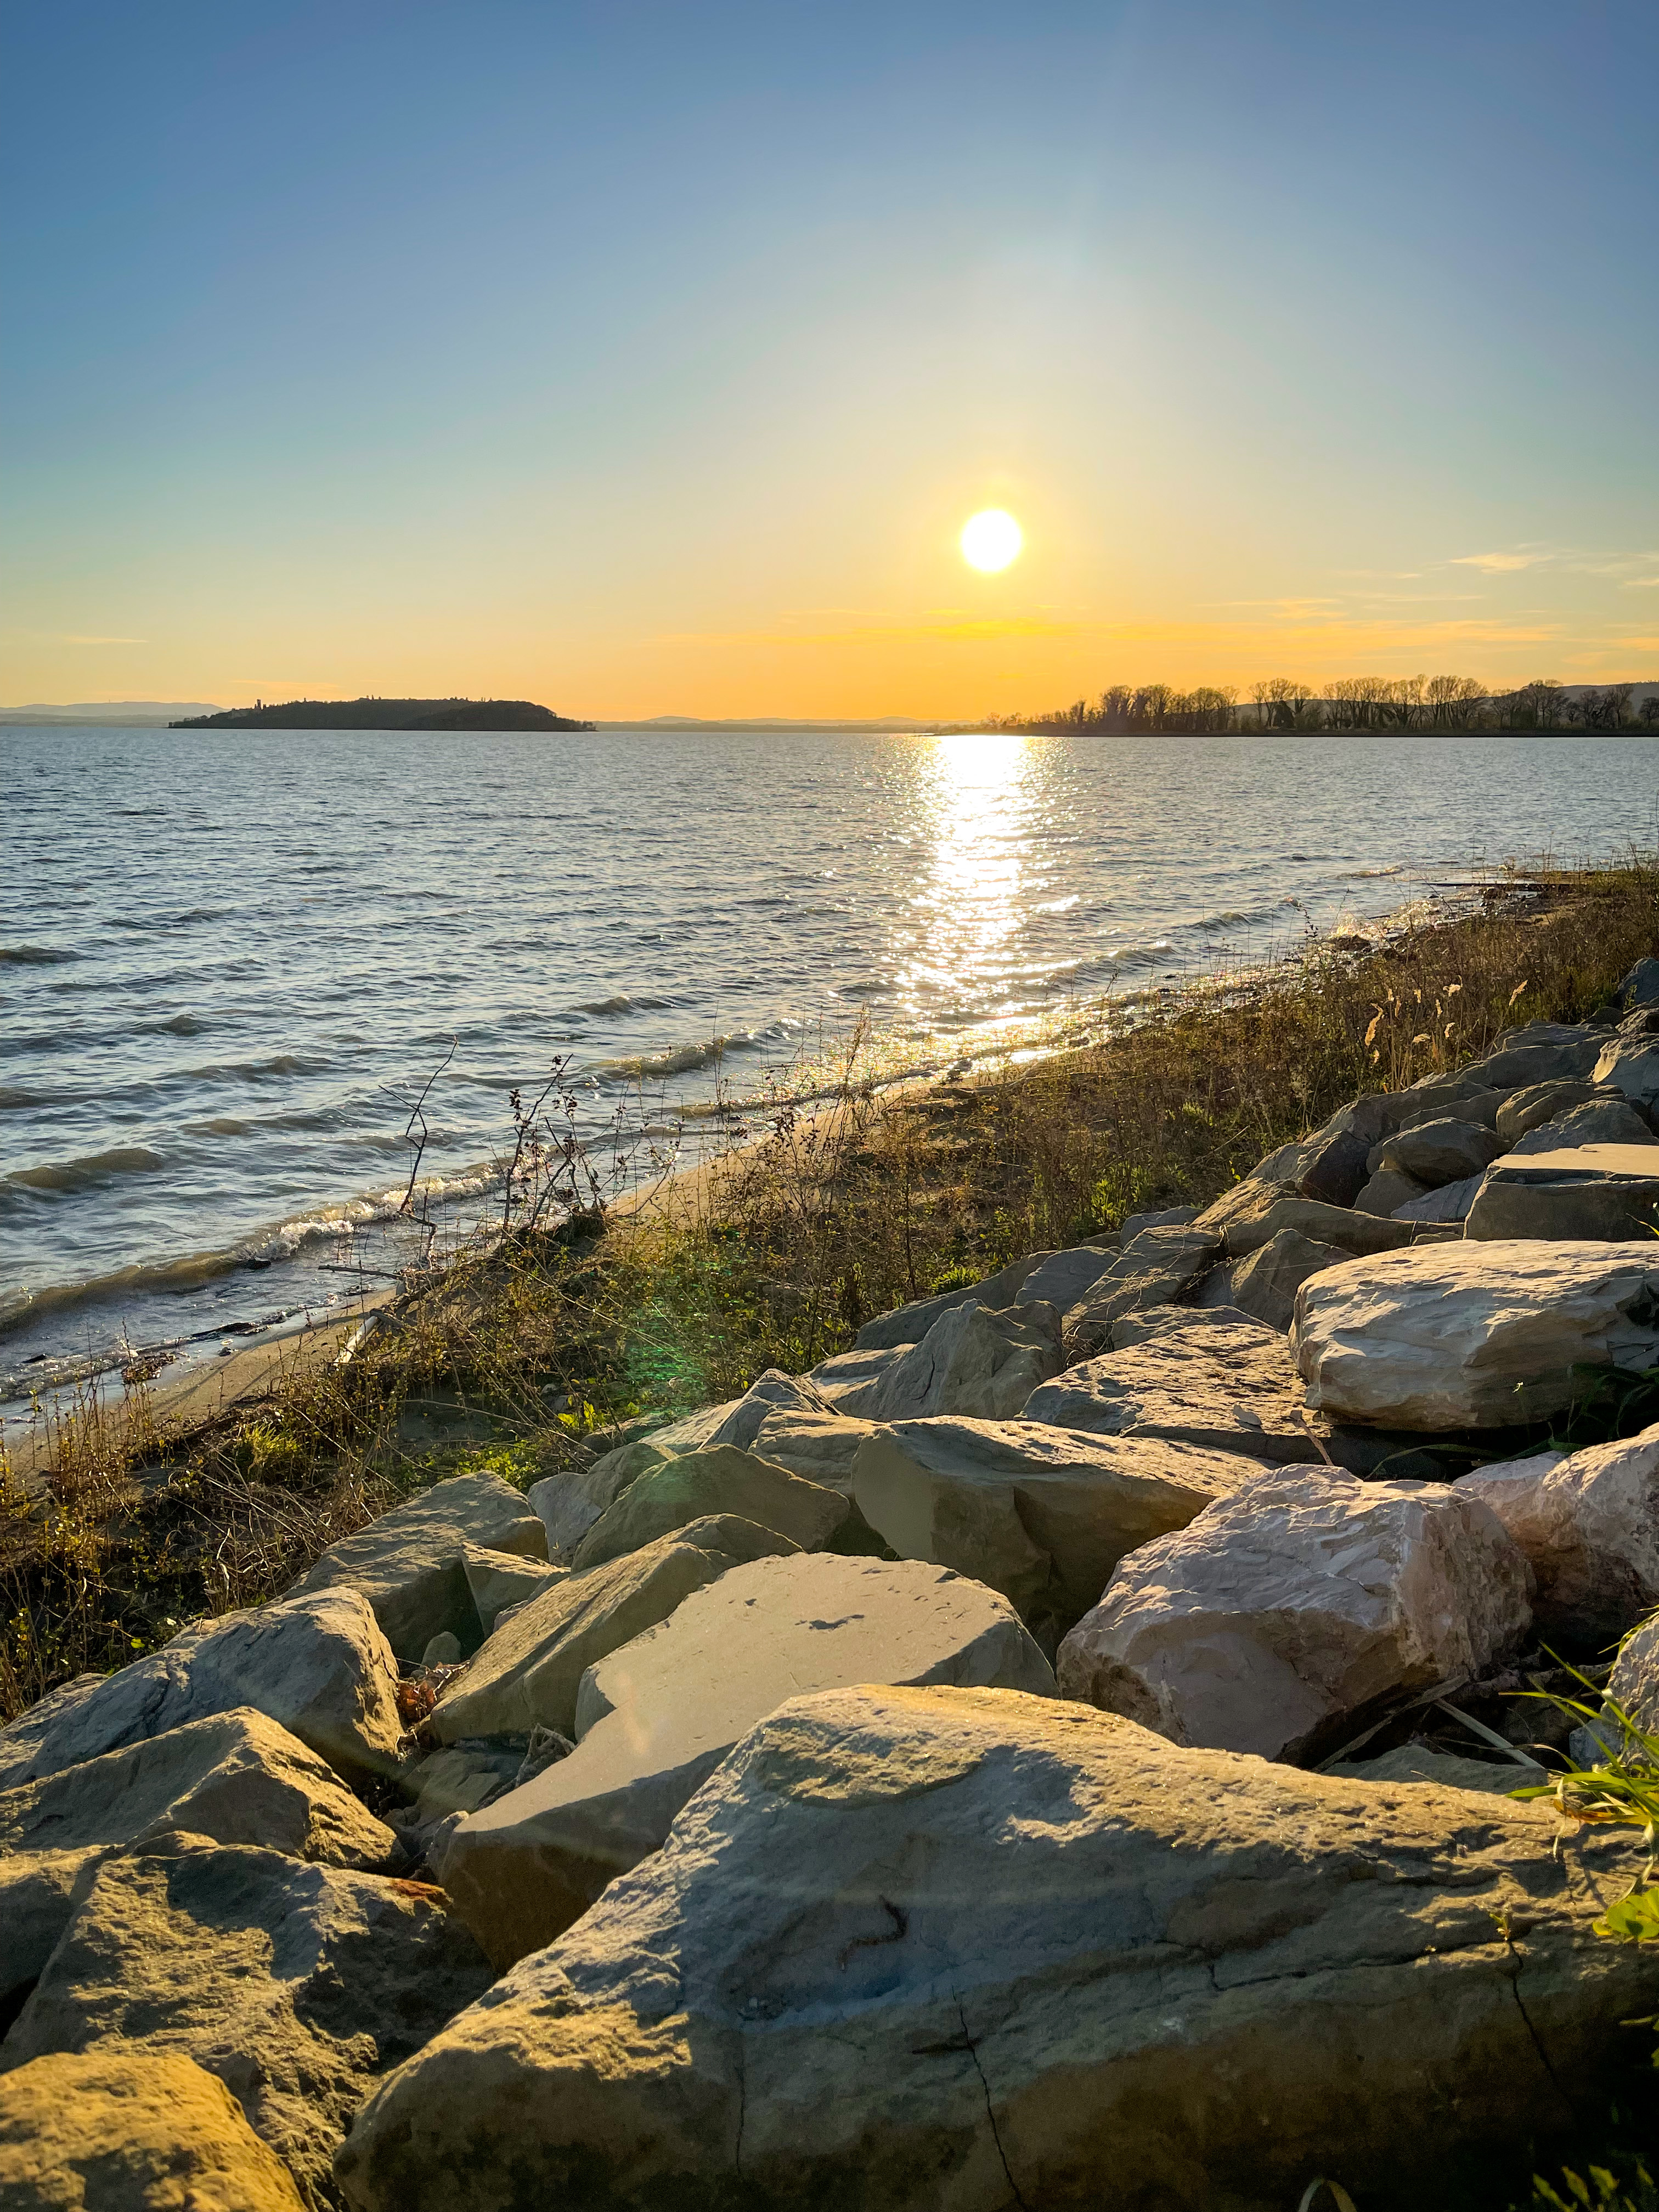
x: 1006, y: 1764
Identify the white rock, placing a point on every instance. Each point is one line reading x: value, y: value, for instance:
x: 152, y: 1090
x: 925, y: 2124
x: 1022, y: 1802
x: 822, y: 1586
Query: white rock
x: 1041, y: 1514
x: 657, y: 1718
x: 317, y: 1665
x: 1589, y: 1525
x: 237, y: 1778
x: 973, y: 1361
x: 526, y: 1675
x: 1295, y: 1604
x: 1065, y: 1277
x: 1631, y: 1065
x: 719, y: 1479
x: 297, y: 1985
x: 1473, y: 1334
x: 958, y: 1951
x: 848, y: 1372
x: 411, y: 1564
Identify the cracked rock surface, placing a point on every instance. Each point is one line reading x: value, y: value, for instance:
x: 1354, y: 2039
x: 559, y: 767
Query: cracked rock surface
x: 840, y: 1983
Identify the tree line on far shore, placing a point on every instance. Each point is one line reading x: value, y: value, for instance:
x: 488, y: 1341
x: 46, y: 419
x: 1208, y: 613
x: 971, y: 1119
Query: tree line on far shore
x: 1353, y: 702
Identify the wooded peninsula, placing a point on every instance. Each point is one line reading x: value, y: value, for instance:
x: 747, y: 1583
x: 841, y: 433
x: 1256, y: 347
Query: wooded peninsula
x: 385, y: 714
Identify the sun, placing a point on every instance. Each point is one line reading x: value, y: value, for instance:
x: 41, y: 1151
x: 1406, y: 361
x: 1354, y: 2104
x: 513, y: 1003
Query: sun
x: 991, y: 539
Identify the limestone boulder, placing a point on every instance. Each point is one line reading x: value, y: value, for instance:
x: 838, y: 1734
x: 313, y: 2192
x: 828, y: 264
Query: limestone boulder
x: 909, y: 1324
x: 1599, y: 1122
x: 1633, y: 1688
x: 1350, y: 1230
x: 1156, y: 1323
x: 237, y: 1778
x: 1607, y: 1192
x: 837, y: 1379
x: 1065, y: 1277
x: 719, y: 1479
x: 1333, y: 1169
x: 1041, y: 1514
x: 1231, y: 1388
x: 1265, y: 1285
x: 1473, y: 1334
x: 775, y: 1392
x: 918, y: 1948
x: 657, y: 1718
x: 297, y: 1985
x: 1541, y: 1052
x: 1629, y: 1063
x: 1458, y: 1101
x: 1589, y: 1523
x: 974, y: 1360
x: 1441, y: 1150
x: 1388, y: 1193
x: 122, y: 2131
x: 1524, y: 1110
x: 1450, y: 1202
x: 410, y: 1564
x: 495, y: 1580
x: 1156, y: 1268
x: 1640, y: 988
x: 317, y: 1665
x: 818, y: 1447
x: 569, y: 1502
x: 526, y: 1675
x: 1304, y: 1600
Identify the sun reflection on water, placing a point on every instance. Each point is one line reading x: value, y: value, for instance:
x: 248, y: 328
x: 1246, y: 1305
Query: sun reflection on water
x: 978, y: 806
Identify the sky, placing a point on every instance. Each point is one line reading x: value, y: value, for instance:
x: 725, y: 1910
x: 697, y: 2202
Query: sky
x: 646, y: 358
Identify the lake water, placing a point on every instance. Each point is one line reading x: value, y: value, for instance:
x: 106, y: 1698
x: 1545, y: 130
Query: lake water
x: 228, y: 960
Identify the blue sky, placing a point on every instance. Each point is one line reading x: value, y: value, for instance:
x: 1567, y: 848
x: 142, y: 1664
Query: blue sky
x: 647, y: 359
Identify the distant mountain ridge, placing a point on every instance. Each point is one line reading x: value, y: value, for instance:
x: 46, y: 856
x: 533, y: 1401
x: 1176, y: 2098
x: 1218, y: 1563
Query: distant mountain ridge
x: 374, y: 714
x: 134, y: 713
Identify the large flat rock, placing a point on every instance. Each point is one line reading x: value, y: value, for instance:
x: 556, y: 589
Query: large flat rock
x: 1231, y: 1387
x: 122, y: 2131
x: 411, y: 1564
x: 1304, y: 1600
x: 527, y: 1674
x: 317, y: 1665
x: 1588, y: 1523
x: 657, y: 1718
x: 720, y: 1479
x: 1576, y: 1193
x: 237, y: 1778
x: 1474, y: 1334
x: 298, y: 1986
x: 1041, y: 1514
x: 1270, y: 1212
x: 915, y: 1949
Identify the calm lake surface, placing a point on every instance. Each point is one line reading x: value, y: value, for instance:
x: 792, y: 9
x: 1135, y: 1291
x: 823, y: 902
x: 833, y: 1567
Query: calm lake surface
x: 229, y: 960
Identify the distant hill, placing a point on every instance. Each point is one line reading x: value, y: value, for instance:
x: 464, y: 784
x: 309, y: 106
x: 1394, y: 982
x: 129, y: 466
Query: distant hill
x: 132, y: 713
x: 385, y: 714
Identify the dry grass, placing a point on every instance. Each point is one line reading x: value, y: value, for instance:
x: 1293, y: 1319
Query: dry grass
x: 549, y: 1339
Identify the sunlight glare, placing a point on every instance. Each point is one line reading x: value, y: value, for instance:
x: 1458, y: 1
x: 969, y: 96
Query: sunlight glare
x: 991, y: 539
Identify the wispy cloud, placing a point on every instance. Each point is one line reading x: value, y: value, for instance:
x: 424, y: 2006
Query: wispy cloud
x: 1499, y: 564
x: 968, y: 632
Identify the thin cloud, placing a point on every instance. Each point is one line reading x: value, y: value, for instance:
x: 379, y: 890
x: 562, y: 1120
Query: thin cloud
x: 75, y: 640
x: 1499, y: 564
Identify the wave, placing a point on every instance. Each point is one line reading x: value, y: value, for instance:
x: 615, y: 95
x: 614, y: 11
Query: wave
x: 86, y: 1173
x: 281, y: 1240
x: 620, y: 1002
x: 34, y: 956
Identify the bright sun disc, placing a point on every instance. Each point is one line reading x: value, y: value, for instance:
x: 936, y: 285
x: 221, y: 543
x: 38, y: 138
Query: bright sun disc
x: 990, y: 539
